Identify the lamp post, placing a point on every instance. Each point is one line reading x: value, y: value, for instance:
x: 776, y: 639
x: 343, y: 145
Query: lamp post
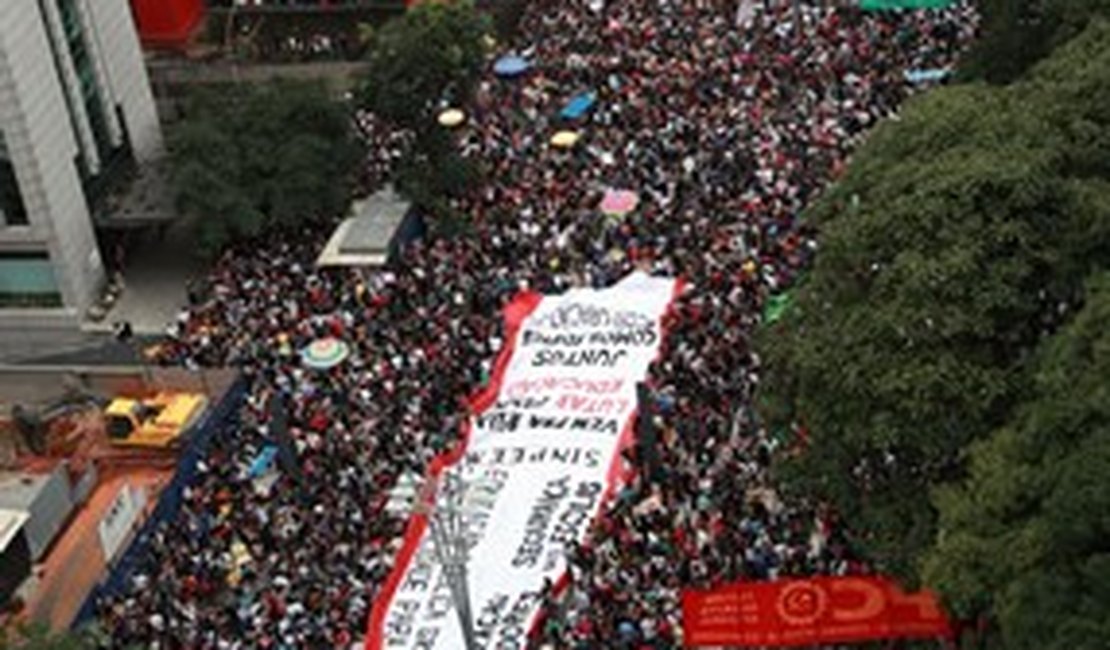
x: 448, y: 526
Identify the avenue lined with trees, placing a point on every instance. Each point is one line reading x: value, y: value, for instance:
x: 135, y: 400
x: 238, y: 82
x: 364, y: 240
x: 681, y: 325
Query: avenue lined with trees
x: 943, y: 363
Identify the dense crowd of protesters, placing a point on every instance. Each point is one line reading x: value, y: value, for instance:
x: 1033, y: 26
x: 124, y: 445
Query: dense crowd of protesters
x: 725, y: 131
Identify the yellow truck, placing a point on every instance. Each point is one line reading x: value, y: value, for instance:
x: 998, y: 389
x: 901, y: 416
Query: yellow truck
x: 157, y: 421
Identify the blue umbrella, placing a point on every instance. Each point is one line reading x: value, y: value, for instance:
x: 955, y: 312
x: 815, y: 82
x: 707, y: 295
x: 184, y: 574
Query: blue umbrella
x: 262, y: 462
x: 921, y: 76
x: 578, y: 105
x: 511, y: 66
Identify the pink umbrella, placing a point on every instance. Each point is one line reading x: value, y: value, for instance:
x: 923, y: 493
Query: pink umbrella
x: 617, y: 203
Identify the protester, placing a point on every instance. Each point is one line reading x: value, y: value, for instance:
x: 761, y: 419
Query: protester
x: 726, y: 131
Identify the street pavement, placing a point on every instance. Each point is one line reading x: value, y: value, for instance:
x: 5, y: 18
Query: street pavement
x: 154, y: 292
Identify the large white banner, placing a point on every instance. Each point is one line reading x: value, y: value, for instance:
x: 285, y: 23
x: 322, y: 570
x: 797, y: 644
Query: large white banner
x: 538, y: 462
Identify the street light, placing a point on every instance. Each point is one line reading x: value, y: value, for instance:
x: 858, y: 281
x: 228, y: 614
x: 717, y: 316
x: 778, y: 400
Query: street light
x: 448, y: 526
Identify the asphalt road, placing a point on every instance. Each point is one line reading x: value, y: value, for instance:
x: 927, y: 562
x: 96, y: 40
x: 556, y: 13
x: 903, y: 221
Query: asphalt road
x: 65, y: 348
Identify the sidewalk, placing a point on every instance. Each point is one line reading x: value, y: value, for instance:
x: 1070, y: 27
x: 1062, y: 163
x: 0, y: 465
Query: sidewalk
x: 154, y: 292
x: 154, y: 282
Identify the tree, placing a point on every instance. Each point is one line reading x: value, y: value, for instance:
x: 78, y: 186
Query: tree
x: 428, y: 58
x: 901, y: 344
x: 958, y: 240
x: 433, y: 172
x: 1019, y: 33
x: 507, y: 15
x: 431, y: 54
x: 1025, y: 535
x: 252, y: 158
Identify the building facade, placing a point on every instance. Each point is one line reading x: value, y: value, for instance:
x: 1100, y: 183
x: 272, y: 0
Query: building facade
x: 76, y: 110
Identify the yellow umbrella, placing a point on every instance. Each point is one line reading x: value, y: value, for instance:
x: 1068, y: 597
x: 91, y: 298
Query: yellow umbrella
x: 240, y: 557
x: 564, y: 139
x: 451, y: 118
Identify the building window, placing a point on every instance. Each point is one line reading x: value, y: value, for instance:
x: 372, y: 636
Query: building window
x: 74, y: 31
x: 71, y: 106
x: 27, y: 281
x: 13, y: 212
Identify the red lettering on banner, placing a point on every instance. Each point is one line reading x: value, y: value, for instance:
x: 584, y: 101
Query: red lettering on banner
x: 593, y: 405
x: 550, y: 384
x: 871, y: 599
x: 805, y: 612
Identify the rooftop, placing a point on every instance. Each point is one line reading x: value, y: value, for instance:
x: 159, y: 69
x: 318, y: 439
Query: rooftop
x: 19, y: 489
x: 10, y: 523
x: 145, y: 199
x: 364, y: 239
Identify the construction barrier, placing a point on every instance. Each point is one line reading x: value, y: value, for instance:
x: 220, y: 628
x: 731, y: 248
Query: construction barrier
x: 223, y: 414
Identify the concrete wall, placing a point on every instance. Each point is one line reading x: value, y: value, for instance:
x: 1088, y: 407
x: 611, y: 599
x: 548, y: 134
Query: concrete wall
x: 72, y: 86
x: 117, y: 41
x: 102, y: 69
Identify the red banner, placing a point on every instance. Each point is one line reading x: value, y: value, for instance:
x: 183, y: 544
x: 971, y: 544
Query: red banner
x: 805, y: 612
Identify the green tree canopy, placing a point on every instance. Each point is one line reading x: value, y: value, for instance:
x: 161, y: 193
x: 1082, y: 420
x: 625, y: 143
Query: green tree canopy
x: 955, y: 243
x: 248, y: 158
x: 432, y: 54
x: 429, y: 58
x: 1019, y: 33
x: 1026, y: 534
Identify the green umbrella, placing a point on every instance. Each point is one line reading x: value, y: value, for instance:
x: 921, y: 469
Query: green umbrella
x: 776, y: 307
